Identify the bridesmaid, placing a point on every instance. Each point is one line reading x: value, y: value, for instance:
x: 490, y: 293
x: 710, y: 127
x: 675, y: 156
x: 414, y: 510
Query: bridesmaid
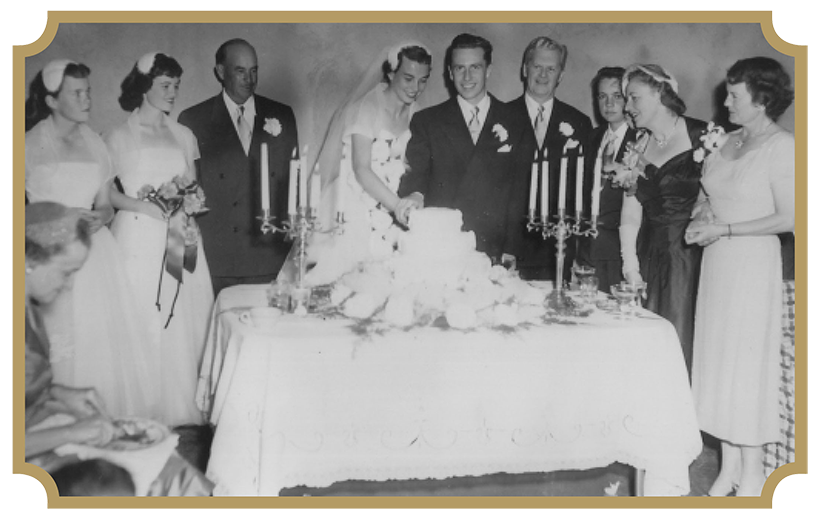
x: 96, y: 328
x: 151, y: 149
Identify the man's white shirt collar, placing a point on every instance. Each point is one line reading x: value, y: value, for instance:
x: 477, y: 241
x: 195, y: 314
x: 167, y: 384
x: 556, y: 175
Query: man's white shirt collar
x: 619, y: 134
x: 467, y: 109
x: 533, y: 105
x: 233, y: 108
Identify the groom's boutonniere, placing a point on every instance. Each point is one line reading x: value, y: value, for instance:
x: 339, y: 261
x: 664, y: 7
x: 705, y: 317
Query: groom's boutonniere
x: 273, y: 126
x: 502, y: 135
x: 566, y: 129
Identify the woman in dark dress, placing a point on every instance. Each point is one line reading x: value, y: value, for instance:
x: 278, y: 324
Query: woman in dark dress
x: 662, y: 178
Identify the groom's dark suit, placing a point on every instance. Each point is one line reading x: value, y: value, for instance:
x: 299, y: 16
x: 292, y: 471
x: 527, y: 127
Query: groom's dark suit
x: 233, y: 243
x: 537, y: 259
x: 478, y: 179
x: 604, y: 251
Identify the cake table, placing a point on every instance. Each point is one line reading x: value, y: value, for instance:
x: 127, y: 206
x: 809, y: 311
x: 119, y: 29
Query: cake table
x: 307, y: 401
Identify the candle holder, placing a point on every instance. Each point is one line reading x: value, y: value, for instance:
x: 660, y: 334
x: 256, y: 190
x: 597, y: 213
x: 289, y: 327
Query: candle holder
x: 299, y: 227
x: 563, y: 227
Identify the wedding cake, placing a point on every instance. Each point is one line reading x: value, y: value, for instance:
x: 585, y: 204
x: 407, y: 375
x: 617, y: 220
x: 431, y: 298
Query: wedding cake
x: 435, y: 271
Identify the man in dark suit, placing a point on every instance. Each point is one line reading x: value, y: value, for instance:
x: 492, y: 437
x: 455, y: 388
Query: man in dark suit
x: 607, y: 141
x: 551, y: 124
x: 230, y: 128
x: 461, y: 154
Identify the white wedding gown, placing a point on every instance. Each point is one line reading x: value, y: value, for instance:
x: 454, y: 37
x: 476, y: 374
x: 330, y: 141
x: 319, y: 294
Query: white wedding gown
x: 176, y: 349
x: 370, y: 232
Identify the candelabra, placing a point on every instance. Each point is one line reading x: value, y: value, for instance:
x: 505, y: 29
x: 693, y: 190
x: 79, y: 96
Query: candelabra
x: 298, y: 228
x: 561, y: 229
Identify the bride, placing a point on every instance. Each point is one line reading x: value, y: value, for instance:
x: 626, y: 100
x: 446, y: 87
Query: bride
x: 362, y: 161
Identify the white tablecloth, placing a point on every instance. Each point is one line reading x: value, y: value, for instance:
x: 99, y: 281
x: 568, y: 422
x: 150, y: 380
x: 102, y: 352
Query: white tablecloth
x: 309, y: 402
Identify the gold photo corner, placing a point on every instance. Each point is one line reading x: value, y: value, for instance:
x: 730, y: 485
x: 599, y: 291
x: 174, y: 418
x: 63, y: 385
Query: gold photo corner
x: 790, y: 26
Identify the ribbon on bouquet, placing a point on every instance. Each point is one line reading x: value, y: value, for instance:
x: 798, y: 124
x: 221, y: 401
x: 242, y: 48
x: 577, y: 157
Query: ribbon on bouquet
x: 180, y: 252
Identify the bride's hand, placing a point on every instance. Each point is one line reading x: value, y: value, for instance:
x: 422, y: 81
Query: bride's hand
x: 94, y: 219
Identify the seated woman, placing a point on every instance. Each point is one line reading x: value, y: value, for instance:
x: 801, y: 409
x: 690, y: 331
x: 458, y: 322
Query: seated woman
x: 57, y: 245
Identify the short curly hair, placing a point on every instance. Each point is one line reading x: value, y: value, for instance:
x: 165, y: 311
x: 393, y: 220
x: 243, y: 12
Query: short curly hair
x: 136, y: 83
x: 766, y: 81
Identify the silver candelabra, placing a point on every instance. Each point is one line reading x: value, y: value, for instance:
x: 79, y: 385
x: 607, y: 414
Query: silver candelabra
x: 563, y: 227
x: 299, y: 227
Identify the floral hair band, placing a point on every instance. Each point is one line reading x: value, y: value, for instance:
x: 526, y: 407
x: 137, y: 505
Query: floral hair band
x: 393, y: 52
x: 53, y: 73
x: 668, y: 78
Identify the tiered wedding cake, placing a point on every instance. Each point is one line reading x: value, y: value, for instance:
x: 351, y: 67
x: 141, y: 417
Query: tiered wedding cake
x: 436, y: 271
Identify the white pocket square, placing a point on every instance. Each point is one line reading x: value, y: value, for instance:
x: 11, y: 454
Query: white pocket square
x: 505, y: 149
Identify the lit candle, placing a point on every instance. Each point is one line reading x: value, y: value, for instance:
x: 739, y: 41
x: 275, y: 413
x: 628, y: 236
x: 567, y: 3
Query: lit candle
x: 545, y: 188
x: 265, y: 178
x: 579, y: 183
x: 292, y: 183
x: 315, y: 189
x: 596, y: 187
x: 562, y: 187
x: 303, y: 174
x: 533, y: 186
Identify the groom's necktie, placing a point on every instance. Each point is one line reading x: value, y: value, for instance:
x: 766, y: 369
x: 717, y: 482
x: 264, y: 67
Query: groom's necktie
x: 474, y: 125
x: 540, y: 126
x: 244, y: 129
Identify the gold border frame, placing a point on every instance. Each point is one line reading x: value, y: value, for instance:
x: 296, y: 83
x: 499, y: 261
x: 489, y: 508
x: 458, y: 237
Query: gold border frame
x: 28, y: 28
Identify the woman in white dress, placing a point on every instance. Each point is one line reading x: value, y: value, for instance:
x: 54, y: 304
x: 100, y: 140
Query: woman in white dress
x: 150, y: 149
x: 362, y: 161
x: 97, y: 330
x: 747, y: 199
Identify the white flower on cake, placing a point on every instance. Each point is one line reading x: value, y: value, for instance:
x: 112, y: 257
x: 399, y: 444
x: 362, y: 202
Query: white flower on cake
x: 566, y: 129
x: 273, y: 126
x: 360, y: 306
x: 399, y: 310
x: 460, y: 316
x: 500, y: 132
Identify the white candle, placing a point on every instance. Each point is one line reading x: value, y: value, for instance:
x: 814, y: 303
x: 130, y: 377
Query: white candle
x: 596, y: 187
x: 265, y: 177
x: 303, y: 174
x: 315, y: 189
x: 545, y: 190
x: 579, y: 182
x: 533, y: 186
x: 562, y: 187
x: 292, y: 183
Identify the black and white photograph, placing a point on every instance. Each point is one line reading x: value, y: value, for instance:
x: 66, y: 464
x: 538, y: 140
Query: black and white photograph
x: 415, y: 255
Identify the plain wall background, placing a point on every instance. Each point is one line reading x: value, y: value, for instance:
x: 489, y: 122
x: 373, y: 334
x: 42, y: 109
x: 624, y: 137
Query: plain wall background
x: 312, y: 66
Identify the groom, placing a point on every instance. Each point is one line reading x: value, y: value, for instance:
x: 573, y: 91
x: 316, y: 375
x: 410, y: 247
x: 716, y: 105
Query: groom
x: 461, y: 155
x: 230, y: 128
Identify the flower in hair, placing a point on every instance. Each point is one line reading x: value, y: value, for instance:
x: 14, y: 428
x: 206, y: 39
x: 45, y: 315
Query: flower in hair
x: 53, y: 73
x: 146, y: 62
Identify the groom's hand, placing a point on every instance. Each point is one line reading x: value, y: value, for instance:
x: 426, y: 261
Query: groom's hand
x: 408, y: 204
